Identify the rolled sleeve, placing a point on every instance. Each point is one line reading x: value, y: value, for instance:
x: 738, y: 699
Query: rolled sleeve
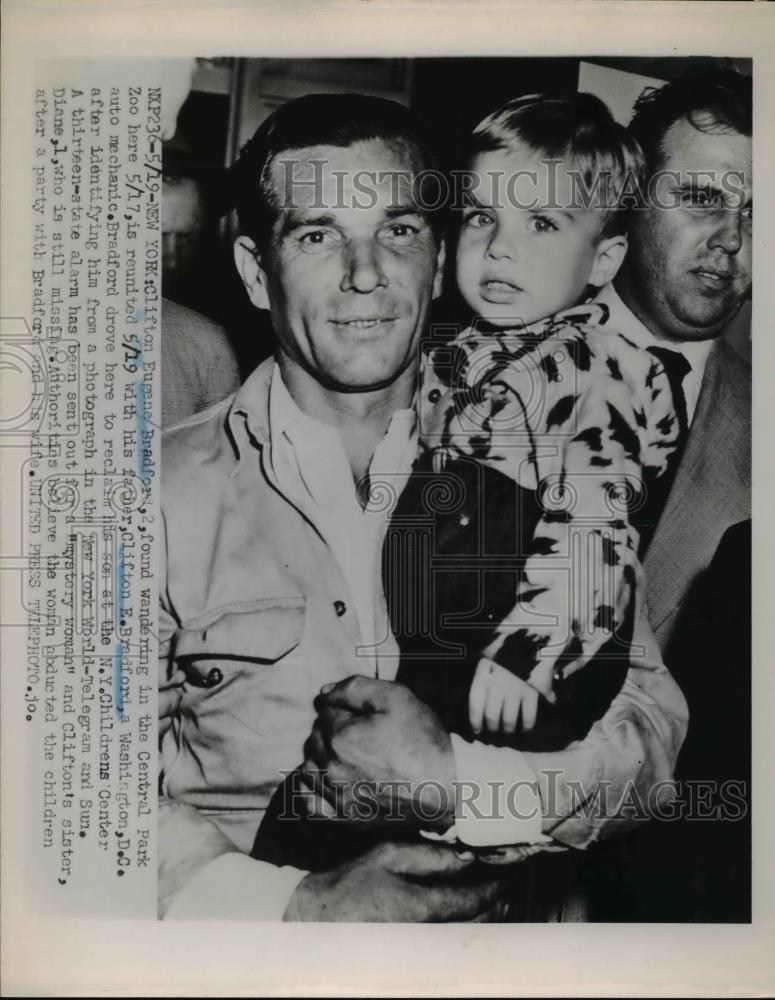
x: 621, y: 773
x: 618, y: 776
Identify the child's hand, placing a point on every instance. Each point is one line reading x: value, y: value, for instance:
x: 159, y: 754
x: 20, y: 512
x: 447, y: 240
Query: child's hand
x: 499, y: 702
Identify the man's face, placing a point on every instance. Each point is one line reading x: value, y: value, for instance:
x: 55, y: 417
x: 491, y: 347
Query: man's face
x: 689, y: 266
x: 351, y: 267
x: 525, y: 251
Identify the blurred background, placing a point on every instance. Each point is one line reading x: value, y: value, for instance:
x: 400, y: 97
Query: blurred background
x: 230, y: 97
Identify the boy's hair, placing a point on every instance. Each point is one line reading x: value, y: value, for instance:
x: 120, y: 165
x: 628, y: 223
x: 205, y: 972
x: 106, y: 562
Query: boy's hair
x: 319, y: 120
x: 712, y: 100
x: 580, y: 128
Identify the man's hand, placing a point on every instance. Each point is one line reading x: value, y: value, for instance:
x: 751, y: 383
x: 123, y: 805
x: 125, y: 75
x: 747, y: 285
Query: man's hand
x: 371, y: 731
x: 399, y: 882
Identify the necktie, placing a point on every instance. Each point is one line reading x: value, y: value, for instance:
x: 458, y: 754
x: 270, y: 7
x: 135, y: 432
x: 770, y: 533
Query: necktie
x: 676, y: 368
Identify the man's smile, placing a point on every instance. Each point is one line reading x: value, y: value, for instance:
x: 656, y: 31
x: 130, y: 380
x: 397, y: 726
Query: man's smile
x: 714, y: 279
x: 363, y: 322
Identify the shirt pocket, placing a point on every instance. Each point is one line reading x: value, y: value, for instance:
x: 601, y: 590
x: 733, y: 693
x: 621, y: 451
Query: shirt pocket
x: 214, y: 649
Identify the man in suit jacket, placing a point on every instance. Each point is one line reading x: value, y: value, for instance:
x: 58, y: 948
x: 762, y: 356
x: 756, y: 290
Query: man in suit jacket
x: 686, y: 276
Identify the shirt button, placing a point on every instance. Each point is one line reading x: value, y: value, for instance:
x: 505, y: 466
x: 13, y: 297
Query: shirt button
x: 434, y: 395
x: 340, y: 607
x: 214, y: 677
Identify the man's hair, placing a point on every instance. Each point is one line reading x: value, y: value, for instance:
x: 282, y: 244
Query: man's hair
x: 320, y: 120
x: 712, y: 100
x: 581, y: 129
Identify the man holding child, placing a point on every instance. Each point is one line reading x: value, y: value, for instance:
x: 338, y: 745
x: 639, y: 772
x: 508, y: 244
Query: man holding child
x: 283, y: 596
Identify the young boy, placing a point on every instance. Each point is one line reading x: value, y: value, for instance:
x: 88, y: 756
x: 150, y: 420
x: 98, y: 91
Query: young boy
x: 540, y: 431
x: 539, y: 390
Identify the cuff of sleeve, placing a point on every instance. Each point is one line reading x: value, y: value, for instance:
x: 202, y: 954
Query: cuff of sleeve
x: 236, y: 887
x: 498, y: 801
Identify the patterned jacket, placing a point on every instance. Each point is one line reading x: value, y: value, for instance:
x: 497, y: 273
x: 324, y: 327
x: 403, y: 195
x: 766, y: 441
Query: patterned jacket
x: 584, y: 417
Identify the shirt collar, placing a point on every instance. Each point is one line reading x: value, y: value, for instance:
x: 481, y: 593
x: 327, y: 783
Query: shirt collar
x: 248, y: 417
x: 285, y: 417
x: 623, y: 320
x: 264, y: 399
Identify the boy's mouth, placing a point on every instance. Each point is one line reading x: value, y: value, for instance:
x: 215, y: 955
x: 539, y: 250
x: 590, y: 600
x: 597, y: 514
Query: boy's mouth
x: 498, y: 291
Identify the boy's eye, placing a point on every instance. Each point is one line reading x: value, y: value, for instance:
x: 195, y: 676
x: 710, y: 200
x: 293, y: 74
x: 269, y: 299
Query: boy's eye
x: 478, y: 219
x: 542, y: 224
x: 318, y: 240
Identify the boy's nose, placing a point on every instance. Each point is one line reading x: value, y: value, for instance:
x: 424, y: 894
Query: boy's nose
x: 499, y: 247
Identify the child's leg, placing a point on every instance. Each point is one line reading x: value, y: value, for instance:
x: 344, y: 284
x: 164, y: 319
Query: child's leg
x: 451, y: 561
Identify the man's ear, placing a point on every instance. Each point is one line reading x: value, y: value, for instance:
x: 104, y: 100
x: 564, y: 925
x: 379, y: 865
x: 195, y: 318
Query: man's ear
x: 609, y: 255
x: 248, y: 261
x: 438, y: 278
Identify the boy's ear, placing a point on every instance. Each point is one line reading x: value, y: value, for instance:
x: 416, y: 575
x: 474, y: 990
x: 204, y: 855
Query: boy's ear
x: 438, y: 278
x: 248, y: 261
x: 609, y: 255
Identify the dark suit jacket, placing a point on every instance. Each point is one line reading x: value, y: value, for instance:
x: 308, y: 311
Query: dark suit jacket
x: 694, y: 865
x: 711, y: 491
x: 698, y: 871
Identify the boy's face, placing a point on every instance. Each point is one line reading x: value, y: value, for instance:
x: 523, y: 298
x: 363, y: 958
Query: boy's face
x: 524, y: 253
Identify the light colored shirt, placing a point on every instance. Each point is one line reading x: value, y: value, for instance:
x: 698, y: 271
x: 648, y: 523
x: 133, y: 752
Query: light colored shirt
x: 273, y: 589
x: 307, y: 462
x: 259, y: 608
x: 624, y: 321
x: 303, y: 460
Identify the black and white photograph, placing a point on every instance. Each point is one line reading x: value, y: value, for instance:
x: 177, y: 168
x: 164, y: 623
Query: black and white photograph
x: 384, y: 529
x: 456, y: 490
